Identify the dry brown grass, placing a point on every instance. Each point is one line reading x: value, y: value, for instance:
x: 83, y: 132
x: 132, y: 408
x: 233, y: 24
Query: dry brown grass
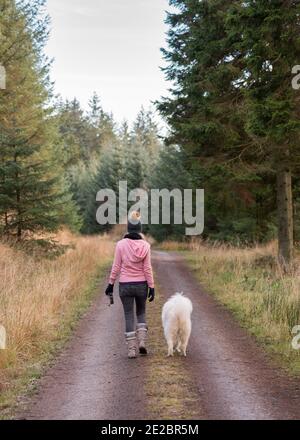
x: 37, y: 295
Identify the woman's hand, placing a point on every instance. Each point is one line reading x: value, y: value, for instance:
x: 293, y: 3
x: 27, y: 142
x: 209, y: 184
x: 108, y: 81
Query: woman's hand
x: 151, y: 294
x: 109, y: 290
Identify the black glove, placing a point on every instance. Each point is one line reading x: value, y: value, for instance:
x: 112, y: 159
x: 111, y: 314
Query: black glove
x: 109, y: 290
x: 151, y: 294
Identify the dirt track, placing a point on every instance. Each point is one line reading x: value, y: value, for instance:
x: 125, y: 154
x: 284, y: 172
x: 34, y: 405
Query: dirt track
x: 233, y: 377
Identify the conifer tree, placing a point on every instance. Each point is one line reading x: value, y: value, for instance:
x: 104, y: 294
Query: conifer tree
x: 31, y: 196
x: 108, y: 175
x: 203, y: 69
x: 135, y: 158
x: 102, y: 132
x: 169, y: 173
x: 125, y: 155
x: 145, y: 140
x: 232, y: 103
x: 267, y: 39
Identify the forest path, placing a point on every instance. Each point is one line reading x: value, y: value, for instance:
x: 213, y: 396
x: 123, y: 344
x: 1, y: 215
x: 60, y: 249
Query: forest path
x: 235, y: 378
x: 228, y: 375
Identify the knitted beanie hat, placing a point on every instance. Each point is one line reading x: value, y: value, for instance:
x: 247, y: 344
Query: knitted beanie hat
x: 134, y: 222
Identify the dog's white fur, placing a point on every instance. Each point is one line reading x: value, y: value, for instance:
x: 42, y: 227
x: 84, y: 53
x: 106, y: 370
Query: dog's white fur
x: 176, y: 320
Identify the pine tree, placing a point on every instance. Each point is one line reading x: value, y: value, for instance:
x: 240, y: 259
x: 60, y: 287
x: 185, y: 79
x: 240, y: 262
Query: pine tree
x: 203, y: 111
x: 30, y: 192
x: 84, y: 135
x: 232, y: 103
x: 268, y: 43
x: 127, y: 156
x: 135, y: 158
x: 169, y: 173
x: 102, y: 131
x: 108, y: 175
x: 145, y: 140
x: 75, y: 133
x: 145, y: 132
x: 95, y: 110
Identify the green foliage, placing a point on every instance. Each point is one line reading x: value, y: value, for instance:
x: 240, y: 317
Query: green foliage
x: 83, y: 136
x: 129, y: 157
x: 108, y: 175
x: 169, y: 173
x: 232, y: 107
x: 31, y: 195
x: 232, y: 113
x: 267, y: 40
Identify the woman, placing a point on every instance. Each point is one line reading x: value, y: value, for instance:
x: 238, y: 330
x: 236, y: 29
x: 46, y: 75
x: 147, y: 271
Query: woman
x: 133, y: 263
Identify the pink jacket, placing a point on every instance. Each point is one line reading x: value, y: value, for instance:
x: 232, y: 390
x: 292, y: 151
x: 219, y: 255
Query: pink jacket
x: 132, y: 262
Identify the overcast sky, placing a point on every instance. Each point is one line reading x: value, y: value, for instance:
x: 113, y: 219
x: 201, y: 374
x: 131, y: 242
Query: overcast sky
x: 109, y: 46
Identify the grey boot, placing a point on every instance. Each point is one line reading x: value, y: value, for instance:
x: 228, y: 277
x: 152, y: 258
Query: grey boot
x: 131, y: 344
x: 142, y: 331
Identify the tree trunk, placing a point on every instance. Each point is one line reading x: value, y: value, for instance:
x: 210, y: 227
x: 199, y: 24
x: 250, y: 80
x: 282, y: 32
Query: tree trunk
x: 19, y: 232
x: 18, y: 194
x: 285, y: 216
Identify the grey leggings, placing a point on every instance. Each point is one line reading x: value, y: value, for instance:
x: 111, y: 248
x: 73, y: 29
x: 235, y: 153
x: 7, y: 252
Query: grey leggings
x: 131, y: 293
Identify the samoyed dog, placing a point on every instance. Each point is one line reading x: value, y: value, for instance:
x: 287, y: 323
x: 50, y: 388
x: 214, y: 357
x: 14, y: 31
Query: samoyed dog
x: 176, y: 320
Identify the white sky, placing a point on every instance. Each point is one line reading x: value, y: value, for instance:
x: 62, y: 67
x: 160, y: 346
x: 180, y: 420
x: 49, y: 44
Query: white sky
x: 111, y: 47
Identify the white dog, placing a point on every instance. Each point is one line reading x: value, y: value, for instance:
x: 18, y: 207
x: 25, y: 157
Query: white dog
x: 176, y: 320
